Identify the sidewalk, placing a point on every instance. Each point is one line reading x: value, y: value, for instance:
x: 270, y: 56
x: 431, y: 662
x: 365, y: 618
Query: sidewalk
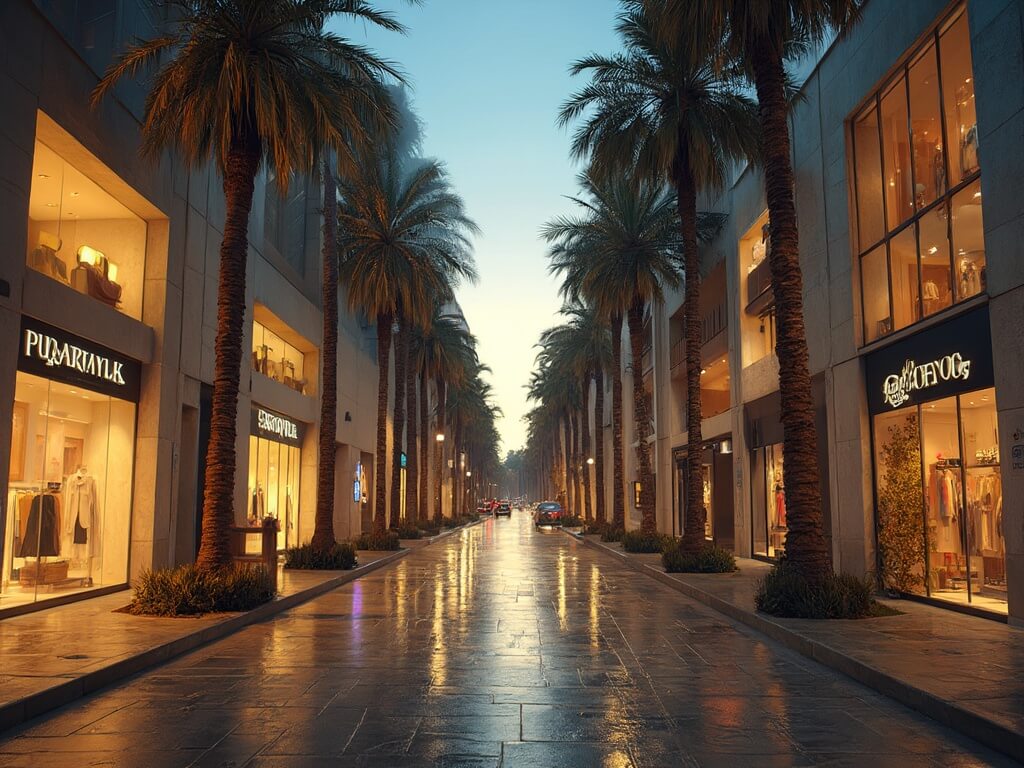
x: 965, y: 672
x: 54, y: 656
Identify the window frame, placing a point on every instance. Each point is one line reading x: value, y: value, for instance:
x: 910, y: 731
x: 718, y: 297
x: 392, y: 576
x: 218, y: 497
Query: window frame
x: 891, y: 232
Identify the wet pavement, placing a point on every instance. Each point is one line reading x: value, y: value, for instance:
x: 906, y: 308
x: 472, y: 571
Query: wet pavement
x: 500, y: 646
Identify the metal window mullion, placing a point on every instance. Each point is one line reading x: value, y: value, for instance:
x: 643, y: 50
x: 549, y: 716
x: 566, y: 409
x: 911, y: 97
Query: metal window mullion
x: 965, y: 535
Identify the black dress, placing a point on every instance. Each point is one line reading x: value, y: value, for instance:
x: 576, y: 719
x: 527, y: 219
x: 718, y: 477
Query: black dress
x: 42, y: 533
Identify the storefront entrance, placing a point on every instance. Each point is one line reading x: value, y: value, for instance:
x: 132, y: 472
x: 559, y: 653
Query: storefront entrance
x: 69, y: 490
x: 938, y: 486
x: 716, y: 490
x: 275, y: 445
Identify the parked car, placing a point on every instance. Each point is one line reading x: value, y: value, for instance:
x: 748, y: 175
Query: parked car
x: 484, y: 507
x: 549, y: 513
x: 504, y: 508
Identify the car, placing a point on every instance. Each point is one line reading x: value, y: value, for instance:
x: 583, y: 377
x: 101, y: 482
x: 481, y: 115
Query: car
x: 484, y: 507
x: 503, y: 508
x: 549, y: 513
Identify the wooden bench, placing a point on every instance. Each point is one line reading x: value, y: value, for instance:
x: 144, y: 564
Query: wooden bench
x: 267, y: 556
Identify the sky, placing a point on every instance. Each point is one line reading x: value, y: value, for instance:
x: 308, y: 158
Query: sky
x: 487, y: 79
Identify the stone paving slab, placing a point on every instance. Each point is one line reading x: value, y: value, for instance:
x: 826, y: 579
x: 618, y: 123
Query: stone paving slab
x: 963, y: 671
x: 56, y: 655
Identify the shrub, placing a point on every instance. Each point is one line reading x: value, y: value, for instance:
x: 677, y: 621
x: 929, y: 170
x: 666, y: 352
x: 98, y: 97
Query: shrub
x: 341, y: 557
x: 611, y: 533
x: 187, y: 591
x: 785, y: 592
x: 636, y: 541
x: 710, y: 559
x: 428, y: 527
x: 408, y: 531
x: 572, y: 521
x: 373, y: 542
x: 595, y: 527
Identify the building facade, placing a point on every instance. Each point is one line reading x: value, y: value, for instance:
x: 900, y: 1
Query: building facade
x: 108, y: 287
x: 906, y: 150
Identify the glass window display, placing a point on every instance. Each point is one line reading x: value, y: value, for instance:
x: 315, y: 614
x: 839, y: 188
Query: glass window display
x: 775, y: 490
x: 274, y: 462
x: 274, y: 357
x: 69, y: 491
x: 939, y: 500
x: 923, y: 162
x: 81, y: 236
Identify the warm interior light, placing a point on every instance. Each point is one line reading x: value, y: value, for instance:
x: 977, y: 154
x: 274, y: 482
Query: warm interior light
x: 469, y: 473
x: 440, y: 437
x: 590, y: 460
x: 89, y: 255
x: 112, y: 271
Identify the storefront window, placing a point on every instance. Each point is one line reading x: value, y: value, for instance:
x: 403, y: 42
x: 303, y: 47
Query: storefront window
x: 775, y: 501
x: 69, y: 491
x: 274, y: 461
x: 939, y: 492
x: 81, y: 236
x: 274, y: 357
x: 927, y: 190
x: 969, y: 242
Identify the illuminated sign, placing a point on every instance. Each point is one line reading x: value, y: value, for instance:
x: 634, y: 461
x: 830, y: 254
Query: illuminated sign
x: 898, y: 388
x: 275, y: 426
x: 55, y: 354
x: 944, y: 360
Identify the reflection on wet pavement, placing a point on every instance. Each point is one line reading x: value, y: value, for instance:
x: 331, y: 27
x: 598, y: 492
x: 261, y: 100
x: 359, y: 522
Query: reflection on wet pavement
x: 501, y: 645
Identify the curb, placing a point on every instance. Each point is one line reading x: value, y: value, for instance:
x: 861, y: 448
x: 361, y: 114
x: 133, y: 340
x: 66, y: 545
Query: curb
x: 19, y: 711
x: 992, y: 734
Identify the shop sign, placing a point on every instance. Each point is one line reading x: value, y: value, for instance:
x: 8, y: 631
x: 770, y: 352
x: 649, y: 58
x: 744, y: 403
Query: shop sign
x: 897, y: 389
x: 275, y: 426
x: 54, y: 354
x: 945, y: 360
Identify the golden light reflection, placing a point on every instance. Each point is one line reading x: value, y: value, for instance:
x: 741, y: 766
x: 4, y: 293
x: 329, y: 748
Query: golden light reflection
x: 438, y: 653
x: 594, y: 600
x: 563, y: 623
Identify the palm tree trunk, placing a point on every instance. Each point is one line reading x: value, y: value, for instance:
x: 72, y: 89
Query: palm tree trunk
x: 219, y: 489
x: 599, y: 509
x: 686, y: 202
x: 380, y: 498
x: 577, y: 462
x: 806, y: 547
x: 641, y: 419
x: 588, y: 505
x: 424, y: 452
x: 398, y: 418
x: 442, y: 397
x: 412, y: 511
x: 570, y: 494
x: 618, y: 462
x: 323, y: 529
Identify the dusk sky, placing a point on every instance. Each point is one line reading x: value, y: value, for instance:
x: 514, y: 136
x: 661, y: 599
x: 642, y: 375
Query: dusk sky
x: 487, y: 80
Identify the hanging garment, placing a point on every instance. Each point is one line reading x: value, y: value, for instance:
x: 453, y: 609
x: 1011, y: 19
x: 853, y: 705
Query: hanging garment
x: 42, y: 534
x: 80, y: 513
x: 780, y: 507
x: 258, y: 505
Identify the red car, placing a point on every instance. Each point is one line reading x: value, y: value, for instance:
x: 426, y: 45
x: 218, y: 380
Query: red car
x: 549, y: 513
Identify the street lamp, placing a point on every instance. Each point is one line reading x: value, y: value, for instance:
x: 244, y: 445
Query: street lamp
x: 439, y: 437
x: 469, y: 473
x: 590, y: 460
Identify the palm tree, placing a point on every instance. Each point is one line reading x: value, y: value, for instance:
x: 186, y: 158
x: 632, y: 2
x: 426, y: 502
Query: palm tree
x: 442, y: 351
x: 621, y: 255
x: 762, y: 34
x: 665, y: 109
x: 403, y: 241
x: 243, y: 84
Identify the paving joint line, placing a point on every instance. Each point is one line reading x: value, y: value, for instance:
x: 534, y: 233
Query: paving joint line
x: 971, y: 724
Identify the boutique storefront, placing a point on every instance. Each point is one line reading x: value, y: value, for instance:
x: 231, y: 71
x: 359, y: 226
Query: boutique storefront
x: 937, y: 476
x: 275, y: 461
x: 716, y: 489
x: 69, y: 489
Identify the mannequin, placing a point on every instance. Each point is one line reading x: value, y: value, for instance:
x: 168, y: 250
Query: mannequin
x: 81, y: 518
